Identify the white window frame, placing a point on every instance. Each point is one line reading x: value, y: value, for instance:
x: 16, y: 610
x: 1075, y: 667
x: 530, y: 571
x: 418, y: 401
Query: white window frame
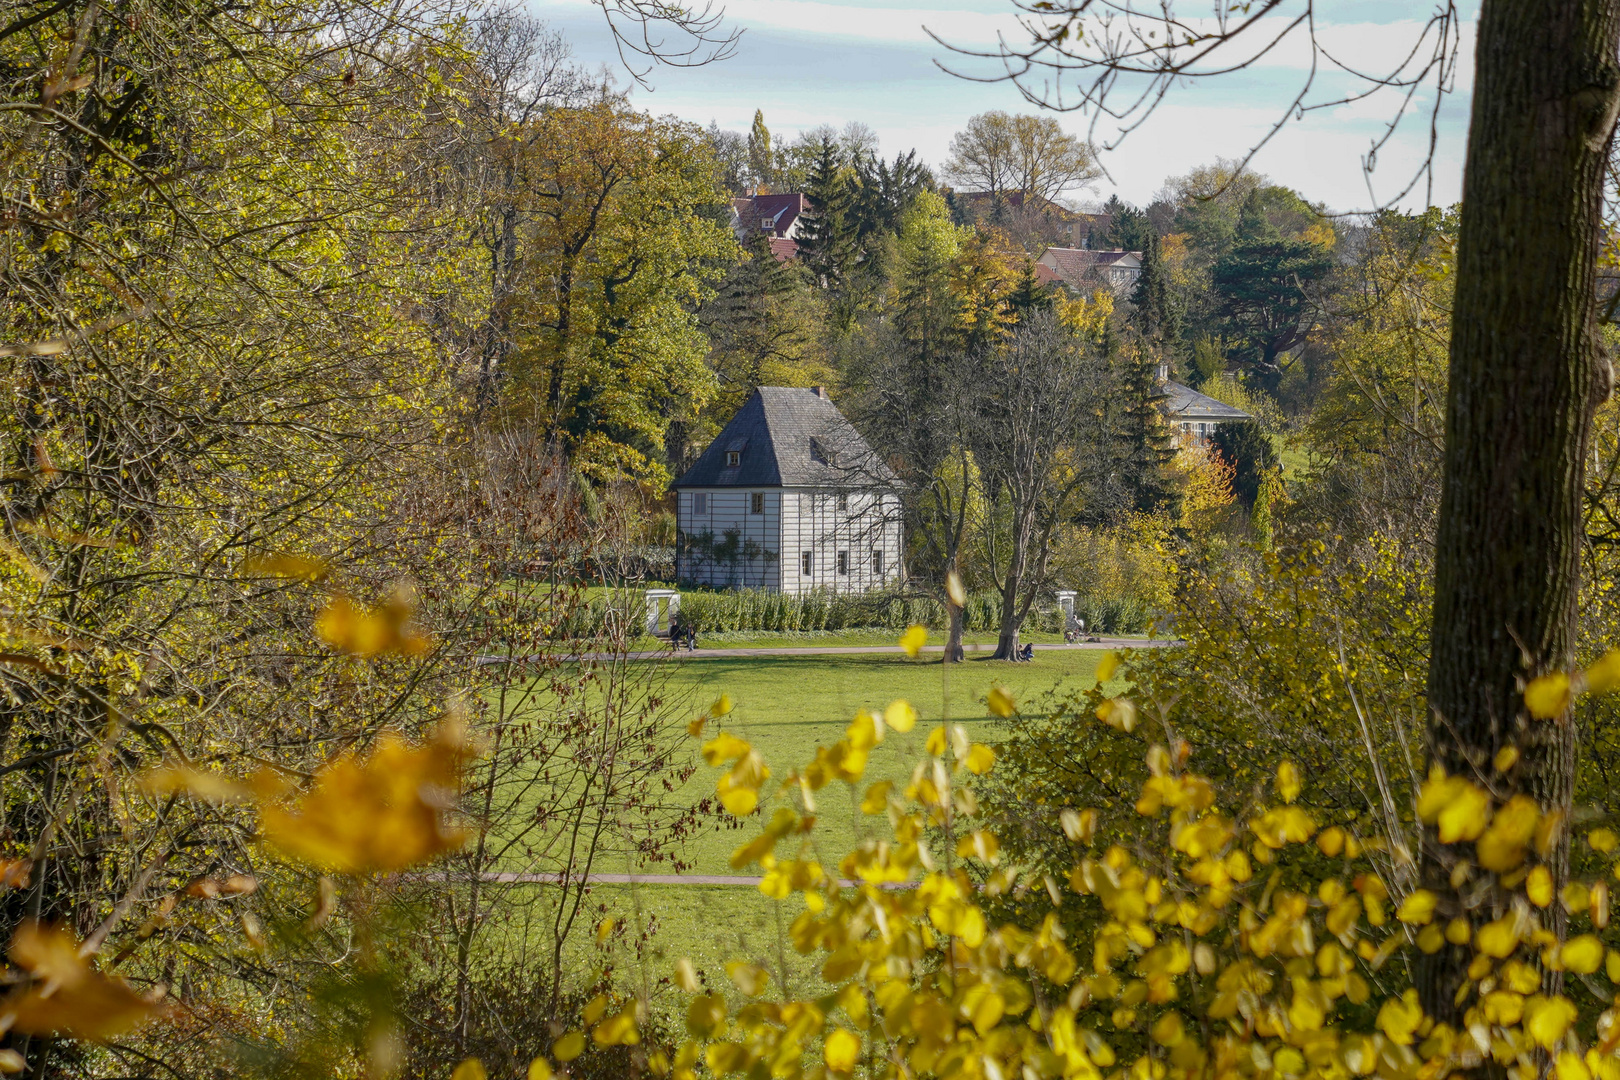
x: 733, y: 458
x: 807, y: 563
x: 877, y: 562
x: 756, y: 502
x: 843, y: 564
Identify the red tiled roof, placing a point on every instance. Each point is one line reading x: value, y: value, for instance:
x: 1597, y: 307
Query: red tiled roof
x: 784, y: 249
x: 1046, y: 275
x: 1078, y: 267
x: 781, y: 209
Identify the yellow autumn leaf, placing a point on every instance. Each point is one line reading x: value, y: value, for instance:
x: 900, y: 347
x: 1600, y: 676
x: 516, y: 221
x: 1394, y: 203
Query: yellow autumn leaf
x: 721, y: 706
x: 686, y: 976
x: 900, y: 716
x: 604, y: 930
x: 1460, y: 809
x: 1107, y: 666
x: 1000, y: 701
x: 1603, y: 841
x: 1569, y: 1066
x: 1497, y: 938
x: 1288, y: 784
x: 1538, y: 886
x: 539, y: 1069
x: 293, y: 567
x: 751, y: 979
x: 1118, y: 713
x: 1546, y: 1019
x: 371, y: 631
x: 1398, y: 1018
x: 1502, y: 846
x: 1548, y: 697
x: 1604, y: 674
x: 738, y: 801
x: 980, y: 759
x: 617, y: 1030
x: 842, y: 1051
x: 954, y: 590
x: 1505, y: 758
x: 1582, y: 955
x: 381, y: 813
x: 67, y: 997
x: 877, y: 797
x: 1418, y: 907
x: 1079, y: 826
x: 470, y: 1069
x: 913, y: 640
x: 724, y: 747
x: 569, y: 1047
x: 938, y: 740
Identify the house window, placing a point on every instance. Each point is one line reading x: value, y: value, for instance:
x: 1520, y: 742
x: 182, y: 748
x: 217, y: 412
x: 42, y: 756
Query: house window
x: 877, y: 563
x: 820, y: 452
x: 756, y: 503
x: 807, y: 563
x: 767, y: 223
x: 700, y: 503
x: 733, y: 458
x: 843, y: 502
x: 843, y: 562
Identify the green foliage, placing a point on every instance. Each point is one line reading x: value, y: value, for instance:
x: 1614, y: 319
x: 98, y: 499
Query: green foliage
x: 1249, y: 451
x: 1266, y: 282
x: 754, y: 609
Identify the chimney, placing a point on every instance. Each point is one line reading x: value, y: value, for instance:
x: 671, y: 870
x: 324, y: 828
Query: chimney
x: 1164, y: 372
x: 819, y: 391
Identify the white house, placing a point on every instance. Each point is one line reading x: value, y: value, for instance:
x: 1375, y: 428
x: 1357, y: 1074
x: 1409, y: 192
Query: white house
x: 788, y: 498
x: 1083, y: 270
x: 1193, y: 416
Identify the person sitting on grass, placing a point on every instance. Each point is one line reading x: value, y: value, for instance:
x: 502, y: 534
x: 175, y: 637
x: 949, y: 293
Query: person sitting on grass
x: 1027, y: 652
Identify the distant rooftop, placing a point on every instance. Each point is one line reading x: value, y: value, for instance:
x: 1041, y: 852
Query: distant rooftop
x: 787, y: 436
x: 1185, y: 403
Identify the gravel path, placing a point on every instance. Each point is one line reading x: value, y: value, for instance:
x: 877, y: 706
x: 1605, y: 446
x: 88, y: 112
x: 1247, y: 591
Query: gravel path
x: 743, y: 652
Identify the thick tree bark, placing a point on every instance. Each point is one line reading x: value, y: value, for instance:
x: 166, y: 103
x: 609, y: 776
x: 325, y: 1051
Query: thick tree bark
x: 1525, y: 377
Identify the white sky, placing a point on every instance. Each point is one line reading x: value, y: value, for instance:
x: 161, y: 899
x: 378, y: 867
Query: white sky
x: 811, y: 62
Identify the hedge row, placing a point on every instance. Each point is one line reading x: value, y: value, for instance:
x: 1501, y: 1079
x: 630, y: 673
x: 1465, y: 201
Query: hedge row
x: 755, y: 609
x: 758, y: 610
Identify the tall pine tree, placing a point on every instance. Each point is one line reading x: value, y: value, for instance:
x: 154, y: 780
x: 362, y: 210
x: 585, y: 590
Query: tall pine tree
x: 828, y: 249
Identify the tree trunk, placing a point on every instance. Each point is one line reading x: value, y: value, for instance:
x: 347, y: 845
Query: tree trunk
x: 1525, y: 377
x: 954, y: 654
x: 1007, y: 636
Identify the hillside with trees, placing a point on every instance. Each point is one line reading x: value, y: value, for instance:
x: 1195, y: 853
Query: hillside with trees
x: 353, y: 351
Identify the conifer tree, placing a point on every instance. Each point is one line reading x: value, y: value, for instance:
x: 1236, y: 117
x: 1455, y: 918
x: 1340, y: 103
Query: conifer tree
x: 827, y: 245
x: 760, y: 164
x: 1156, y: 316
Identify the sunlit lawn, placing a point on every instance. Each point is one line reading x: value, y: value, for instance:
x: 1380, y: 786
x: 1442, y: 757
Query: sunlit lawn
x: 787, y: 706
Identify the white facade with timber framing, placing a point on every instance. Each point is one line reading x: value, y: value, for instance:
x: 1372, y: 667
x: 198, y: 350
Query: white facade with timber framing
x: 788, y: 498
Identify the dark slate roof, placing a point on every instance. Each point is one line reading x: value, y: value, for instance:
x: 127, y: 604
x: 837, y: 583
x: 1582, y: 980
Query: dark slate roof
x: 1185, y: 403
x: 775, y: 431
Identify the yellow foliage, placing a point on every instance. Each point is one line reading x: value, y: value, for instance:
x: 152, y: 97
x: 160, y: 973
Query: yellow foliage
x: 369, y: 632
x: 914, y: 639
x: 68, y: 997
x: 374, y: 815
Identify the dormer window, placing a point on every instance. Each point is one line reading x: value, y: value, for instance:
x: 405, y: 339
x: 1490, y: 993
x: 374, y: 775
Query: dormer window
x: 819, y: 451
x: 767, y: 224
x: 733, y: 458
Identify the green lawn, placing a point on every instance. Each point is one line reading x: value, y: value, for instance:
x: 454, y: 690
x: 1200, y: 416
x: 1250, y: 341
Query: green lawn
x: 787, y: 706
x: 761, y: 639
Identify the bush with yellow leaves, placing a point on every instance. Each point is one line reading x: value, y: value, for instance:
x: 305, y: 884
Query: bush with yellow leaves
x: 1238, y: 940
